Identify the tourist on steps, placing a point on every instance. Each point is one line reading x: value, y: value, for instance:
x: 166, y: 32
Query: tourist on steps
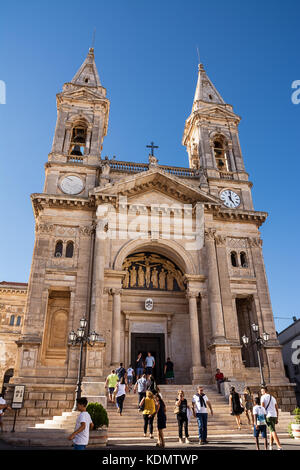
x: 130, y: 374
x: 139, y: 365
x: 161, y: 419
x: 3, y: 408
x: 151, y: 385
x: 80, y: 436
x: 219, y: 379
x: 141, y: 387
x: 200, y: 403
x: 149, y: 364
x: 182, y: 418
x: 260, y: 425
x: 149, y: 411
x: 121, y: 372
x: 271, y: 407
x: 248, y: 404
x: 169, y: 371
x: 236, y: 408
x: 120, y: 394
x: 110, y: 383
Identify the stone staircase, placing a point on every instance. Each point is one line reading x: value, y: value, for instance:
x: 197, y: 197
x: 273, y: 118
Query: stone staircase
x: 128, y: 428
x: 53, y: 433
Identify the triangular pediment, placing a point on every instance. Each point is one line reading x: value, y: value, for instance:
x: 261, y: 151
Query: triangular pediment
x: 217, y: 111
x: 83, y: 93
x: 158, y: 184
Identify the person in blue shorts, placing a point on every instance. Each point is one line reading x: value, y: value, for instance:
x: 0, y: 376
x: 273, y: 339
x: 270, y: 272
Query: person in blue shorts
x: 260, y: 423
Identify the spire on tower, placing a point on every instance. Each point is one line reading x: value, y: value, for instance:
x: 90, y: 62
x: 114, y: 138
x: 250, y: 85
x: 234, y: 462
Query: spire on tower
x: 88, y: 73
x: 205, y: 90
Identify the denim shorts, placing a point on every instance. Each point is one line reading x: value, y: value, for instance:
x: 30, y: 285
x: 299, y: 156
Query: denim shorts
x: 79, y: 447
x: 260, y: 429
x: 139, y: 371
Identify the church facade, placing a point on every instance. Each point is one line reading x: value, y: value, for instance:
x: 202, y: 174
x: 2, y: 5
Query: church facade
x: 156, y: 258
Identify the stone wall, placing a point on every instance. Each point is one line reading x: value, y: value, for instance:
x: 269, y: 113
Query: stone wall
x: 40, y: 402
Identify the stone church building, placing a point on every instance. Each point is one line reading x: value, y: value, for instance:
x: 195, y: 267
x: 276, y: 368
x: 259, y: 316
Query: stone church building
x: 155, y: 257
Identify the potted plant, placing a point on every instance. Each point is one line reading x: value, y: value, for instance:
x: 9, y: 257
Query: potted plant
x: 98, y: 437
x: 295, y: 425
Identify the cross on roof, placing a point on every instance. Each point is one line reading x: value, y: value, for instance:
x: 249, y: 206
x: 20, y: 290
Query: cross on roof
x: 152, y: 147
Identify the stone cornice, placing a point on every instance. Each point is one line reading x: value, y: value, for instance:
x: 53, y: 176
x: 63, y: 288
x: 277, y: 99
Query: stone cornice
x: 13, y: 289
x: 40, y: 201
x: 240, y: 215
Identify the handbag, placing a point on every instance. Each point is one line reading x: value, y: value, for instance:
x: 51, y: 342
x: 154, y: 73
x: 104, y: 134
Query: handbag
x: 176, y: 410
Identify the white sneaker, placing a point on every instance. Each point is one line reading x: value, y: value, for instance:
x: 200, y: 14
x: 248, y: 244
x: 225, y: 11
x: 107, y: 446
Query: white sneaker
x: 270, y: 447
x: 187, y: 441
x: 181, y: 441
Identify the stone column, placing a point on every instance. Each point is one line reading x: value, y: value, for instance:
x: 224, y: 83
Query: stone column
x: 194, y: 328
x: 231, y: 158
x: 214, y: 292
x: 116, y: 327
x: 230, y: 317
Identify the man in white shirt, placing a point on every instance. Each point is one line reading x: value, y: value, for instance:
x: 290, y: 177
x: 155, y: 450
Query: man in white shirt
x: 3, y: 407
x: 149, y: 364
x: 270, y: 405
x: 80, y: 436
x: 200, y: 403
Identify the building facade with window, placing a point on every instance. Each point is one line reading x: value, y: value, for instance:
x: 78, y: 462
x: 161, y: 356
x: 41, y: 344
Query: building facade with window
x: 111, y: 234
x: 289, y: 339
x: 13, y: 297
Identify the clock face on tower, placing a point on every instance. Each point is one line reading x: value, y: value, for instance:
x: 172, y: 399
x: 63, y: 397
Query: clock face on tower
x: 72, y: 184
x: 230, y: 198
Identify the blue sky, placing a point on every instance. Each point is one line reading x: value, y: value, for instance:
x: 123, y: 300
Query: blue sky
x: 147, y: 60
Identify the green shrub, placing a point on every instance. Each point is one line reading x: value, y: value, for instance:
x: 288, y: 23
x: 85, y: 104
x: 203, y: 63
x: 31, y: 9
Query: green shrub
x: 98, y: 415
x: 296, y: 413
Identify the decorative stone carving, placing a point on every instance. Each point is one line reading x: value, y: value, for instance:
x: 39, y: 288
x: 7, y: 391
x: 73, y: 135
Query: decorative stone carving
x: 152, y: 271
x: 65, y: 231
x: 29, y: 358
x: 209, y: 234
x: 255, y: 242
x: 87, y: 230
x: 44, y: 228
x: 238, y: 243
x: 220, y: 240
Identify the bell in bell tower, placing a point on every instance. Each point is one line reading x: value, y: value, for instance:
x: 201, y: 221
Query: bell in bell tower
x: 82, y: 113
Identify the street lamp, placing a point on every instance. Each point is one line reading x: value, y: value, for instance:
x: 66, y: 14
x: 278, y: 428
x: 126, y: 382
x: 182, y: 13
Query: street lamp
x: 80, y: 337
x: 260, y: 343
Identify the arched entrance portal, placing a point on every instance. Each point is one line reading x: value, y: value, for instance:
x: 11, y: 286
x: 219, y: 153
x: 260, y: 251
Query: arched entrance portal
x: 150, y: 275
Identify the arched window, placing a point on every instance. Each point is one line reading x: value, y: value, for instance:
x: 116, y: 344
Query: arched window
x: 243, y: 259
x: 12, y: 320
x: 221, y: 154
x: 58, y: 249
x: 78, y: 139
x: 18, y: 321
x: 7, y: 376
x: 70, y: 250
x: 233, y: 259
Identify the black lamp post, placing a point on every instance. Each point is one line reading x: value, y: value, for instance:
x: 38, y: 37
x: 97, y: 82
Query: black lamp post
x: 80, y: 337
x: 260, y: 342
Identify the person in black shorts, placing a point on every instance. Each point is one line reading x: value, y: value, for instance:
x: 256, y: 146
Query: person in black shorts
x: 169, y: 371
x: 161, y: 419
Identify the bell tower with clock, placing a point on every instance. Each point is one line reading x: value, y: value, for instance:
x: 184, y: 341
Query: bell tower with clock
x: 212, y: 142
x: 82, y: 120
